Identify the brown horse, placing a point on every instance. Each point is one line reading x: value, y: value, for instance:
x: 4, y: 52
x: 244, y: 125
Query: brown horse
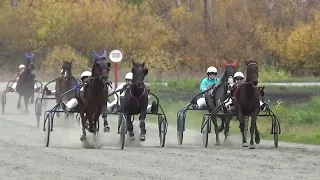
x: 135, y: 100
x: 64, y: 83
x: 25, y: 84
x: 247, y: 103
x: 92, y: 101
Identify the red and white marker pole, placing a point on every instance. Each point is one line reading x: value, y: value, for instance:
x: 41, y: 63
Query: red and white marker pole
x: 116, y: 57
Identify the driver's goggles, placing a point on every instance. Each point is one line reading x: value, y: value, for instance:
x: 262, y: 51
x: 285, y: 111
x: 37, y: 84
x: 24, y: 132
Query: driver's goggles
x: 212, y: 73
x: 238, y: 78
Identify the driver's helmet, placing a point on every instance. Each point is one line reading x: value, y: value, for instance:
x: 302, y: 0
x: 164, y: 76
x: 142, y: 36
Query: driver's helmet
x: 238, y: 76
x: 212, y: 70
x: 85, y: 74
x: 21, y: 66
x: 128, y: 77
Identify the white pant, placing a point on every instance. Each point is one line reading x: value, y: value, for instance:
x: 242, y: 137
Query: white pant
x: 201, y: 102
x: 14, y: 85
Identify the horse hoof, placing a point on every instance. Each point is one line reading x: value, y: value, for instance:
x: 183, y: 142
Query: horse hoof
x: 142, y: 137
x: 257, y: 140
x: 244, y: 145
x: 106, y: 129
x: 251, y: 146
x: 218, y: 144
x: 83, y: 138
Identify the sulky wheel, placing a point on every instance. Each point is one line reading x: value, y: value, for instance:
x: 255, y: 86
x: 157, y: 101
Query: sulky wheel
x: 162, y: 124
x: 275, y: 127
x: 38, y: 106
x: 3, y: 101
x: 205, y: 129
x: 47, y: 129
x: 180, y: 126
x: 122, y: 129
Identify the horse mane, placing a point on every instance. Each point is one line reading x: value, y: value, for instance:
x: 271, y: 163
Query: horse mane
x: 93, y: 70
x: 250, y: 61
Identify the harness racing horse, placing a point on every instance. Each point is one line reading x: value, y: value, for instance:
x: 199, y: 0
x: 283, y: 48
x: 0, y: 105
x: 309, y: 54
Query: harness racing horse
x: 247, y: 103
x: 92, y: 101
x: 215, y: 97
x: 25, y: 83
x: 135, y: 100
x: 64, y: 83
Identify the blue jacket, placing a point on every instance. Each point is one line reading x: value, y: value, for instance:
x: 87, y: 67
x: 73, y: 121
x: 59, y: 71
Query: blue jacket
x: 207, y: 83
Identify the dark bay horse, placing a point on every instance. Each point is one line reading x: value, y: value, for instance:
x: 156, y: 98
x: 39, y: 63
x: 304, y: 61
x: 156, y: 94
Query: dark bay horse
x: 26, y: 81
x: 247, y: 103
x: 65, y: 82
x: 219, y: 96
x: 92, y: 101
x: 135, y: 100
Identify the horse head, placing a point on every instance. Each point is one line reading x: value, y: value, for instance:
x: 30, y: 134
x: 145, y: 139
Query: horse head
x: 30, y: 61
x: 252, y: 73
x: 139, y: 71
x: 101, y: 67
x: 66, y: 69
x: 230, y: 70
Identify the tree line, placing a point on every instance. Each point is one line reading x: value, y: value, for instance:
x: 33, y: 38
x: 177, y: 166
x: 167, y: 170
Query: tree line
x: 170, y: 36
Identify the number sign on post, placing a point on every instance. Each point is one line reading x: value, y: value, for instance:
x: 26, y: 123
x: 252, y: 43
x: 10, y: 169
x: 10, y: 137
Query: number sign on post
x: 115, y: 56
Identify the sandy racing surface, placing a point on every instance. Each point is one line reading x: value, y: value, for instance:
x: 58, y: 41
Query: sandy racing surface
x: 23, y: 155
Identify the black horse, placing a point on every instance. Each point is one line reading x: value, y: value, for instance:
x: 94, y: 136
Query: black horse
x: 92, y: 100
x: 26, y: 81
x: 65, y: 82
x: 218, y: 96
x: 247, y: 102
x: 135, y: 100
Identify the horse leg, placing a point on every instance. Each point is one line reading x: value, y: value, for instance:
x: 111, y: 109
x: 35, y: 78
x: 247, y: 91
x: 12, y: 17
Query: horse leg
x: 216, y: 129
x: 252, y: 130
x: 26, y: 103
x: 243, y: 130
x: 257, y: 135
x: 142, y: 124
x: 83, y: 124
x: 227, y: 127
x: 106, y: 127
x: 19, y: 102
x: 129, y: 126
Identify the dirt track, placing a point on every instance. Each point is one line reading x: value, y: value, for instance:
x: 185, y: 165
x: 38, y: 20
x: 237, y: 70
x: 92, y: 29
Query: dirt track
x: 23, y: 155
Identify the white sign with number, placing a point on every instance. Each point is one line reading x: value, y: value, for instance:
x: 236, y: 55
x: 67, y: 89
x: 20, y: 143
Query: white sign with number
x: 115, y: 56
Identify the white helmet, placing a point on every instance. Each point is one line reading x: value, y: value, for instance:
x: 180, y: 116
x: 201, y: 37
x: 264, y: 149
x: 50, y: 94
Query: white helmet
x: 85, y: 74
x: 212, y: 69
x: 21, y: 66
x: 238, y: 74
x: 129, y: 75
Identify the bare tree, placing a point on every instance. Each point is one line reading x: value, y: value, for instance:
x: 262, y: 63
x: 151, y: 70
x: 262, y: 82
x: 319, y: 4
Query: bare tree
x: 15, y: 3
x: 208, y: 14
x: 189, y: 5
x: 178, y: 3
